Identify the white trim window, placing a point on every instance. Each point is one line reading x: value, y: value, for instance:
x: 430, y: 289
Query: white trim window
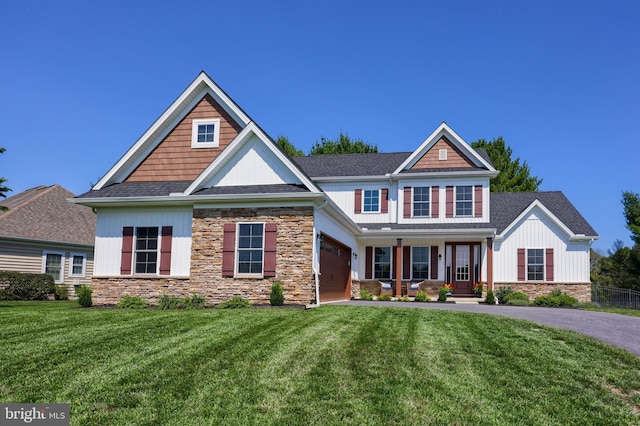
x: 53, y: 264
x: 205, y: 133
x: 371, y: 201
x: 421, y: 201
x: 382, y: 263
x: 464, y: 200
x: 146, y: 250
x: 250, y: 249
x: 535, y: 264
x: 77, y: 265
x: 420, y: 263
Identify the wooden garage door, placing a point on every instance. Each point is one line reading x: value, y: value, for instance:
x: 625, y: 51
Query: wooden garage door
x: 335, y: 270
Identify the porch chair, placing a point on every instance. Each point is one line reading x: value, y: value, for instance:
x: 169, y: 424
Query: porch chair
x: 386, y: 288
x: 413, y: 288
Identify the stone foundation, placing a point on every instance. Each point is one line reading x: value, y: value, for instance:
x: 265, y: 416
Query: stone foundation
x: 373, y: 286
x: 581, y: 291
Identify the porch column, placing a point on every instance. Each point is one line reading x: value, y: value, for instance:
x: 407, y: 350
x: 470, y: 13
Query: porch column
x: 489, y: 264
x: 398, y: 267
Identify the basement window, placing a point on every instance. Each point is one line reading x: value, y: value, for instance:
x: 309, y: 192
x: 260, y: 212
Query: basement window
x: 205, y: 133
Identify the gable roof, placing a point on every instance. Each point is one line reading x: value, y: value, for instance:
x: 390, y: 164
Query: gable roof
x: 43, y: 213
x: 334, y: 165
x: 506, y: 207
x: 444, y: 131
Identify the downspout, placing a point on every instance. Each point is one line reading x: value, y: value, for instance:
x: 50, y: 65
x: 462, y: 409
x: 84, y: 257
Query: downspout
x: 316, y: 257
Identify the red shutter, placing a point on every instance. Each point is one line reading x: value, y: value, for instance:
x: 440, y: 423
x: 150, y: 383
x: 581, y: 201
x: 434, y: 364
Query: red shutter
x: 435, y: 201
x: 165, y: 250
x: 384, y: 204
x: 127, y: 250
x: 394, y: 256
x: 449, y: 201
x: 228, y: 249
x: 270, y: 234
x: 549, y: 265
x: 434, y: 263
x: 368, y: 263
x: 406, y: 263
x: 521, y: 265
x: 357, y: 202
x: 478, y: 201
x: 407, y: 202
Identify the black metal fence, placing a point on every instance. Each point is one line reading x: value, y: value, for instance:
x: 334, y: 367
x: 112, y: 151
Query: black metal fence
x: 613, y: 297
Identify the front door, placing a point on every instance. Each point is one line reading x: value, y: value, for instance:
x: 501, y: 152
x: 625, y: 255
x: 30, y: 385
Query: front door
x: 462, y: 266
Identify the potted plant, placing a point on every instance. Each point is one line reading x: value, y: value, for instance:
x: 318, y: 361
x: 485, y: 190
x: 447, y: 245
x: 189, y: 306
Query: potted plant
x: 448, y: 288
x: 477, y: 289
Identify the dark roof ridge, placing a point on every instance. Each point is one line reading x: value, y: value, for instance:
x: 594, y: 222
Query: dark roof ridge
x: 45, y: 190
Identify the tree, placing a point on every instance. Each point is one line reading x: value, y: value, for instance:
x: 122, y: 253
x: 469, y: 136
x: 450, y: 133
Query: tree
x: 631, y: 203
x: 284, y: 144
x: 342, y: 145
x: 3, y: 188
x: 513, y: 176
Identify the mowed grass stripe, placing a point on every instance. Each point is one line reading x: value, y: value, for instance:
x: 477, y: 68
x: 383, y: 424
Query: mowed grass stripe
x: 331, y: 365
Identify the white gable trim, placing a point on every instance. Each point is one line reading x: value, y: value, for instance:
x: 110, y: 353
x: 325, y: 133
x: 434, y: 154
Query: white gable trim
x: 536, y: 204
x: 200, y: 87
x: 243, y: 137
x: 443, y: 130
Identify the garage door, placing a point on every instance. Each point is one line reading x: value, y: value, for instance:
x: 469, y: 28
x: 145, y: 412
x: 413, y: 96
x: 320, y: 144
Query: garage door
x: 335, y: 270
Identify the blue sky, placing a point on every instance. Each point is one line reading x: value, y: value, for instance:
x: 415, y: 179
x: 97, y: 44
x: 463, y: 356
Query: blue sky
x: 559, y: 80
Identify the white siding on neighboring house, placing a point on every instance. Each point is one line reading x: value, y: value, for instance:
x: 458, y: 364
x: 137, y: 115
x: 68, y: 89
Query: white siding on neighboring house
x: 253, y: 164
x: 537, y: 231
x: 110, y: 223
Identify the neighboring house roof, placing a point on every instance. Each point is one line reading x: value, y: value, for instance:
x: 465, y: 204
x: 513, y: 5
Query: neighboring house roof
x: 43, y: 213
x: 507, y: 206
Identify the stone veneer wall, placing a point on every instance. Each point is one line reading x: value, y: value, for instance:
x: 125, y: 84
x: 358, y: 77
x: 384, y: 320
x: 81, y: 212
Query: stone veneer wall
x: 374, y: 287
x: 294, y: 255
x: 581, y: 291
x: 294, y: 258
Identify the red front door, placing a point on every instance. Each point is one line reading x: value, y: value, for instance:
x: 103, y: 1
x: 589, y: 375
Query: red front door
x: 462, y: 266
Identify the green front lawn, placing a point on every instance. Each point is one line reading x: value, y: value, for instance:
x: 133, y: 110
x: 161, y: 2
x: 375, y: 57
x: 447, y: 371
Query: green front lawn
x: 330, y: 365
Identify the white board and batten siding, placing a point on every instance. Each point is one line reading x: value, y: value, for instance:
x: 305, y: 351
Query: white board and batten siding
x: 538, y: 231
x: 344, y: 196
x: 110, y: 223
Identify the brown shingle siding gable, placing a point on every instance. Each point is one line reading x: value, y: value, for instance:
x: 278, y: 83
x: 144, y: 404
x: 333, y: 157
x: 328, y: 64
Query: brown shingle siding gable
x: 174, y: 159
x: 455, y: 158
x: 43, y: 213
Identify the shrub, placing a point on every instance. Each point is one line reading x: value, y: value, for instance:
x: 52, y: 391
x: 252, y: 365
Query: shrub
x: 555, y: 299
x: 24, y: 286
x: 518, y: 295
x: 404, y: 299
x: 442, y: 295
x: 84, y: 295
x: 385, y: 297
x: 61, y: 292
x: 502, y: 294
x: 170, y: 302
x: 421, y: 296
x: 491, y: 300
x: 277, y: 294
x: 132, y: 302
x: 366, y: 295
x: 194, y: 302
x: 236, y: 302
x: 518, y: 302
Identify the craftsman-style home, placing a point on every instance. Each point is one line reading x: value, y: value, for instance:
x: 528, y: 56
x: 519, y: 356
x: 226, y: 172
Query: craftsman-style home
x: 206, y: 203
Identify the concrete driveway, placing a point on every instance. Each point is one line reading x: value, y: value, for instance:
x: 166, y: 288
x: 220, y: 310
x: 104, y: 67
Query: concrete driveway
x: 617, y: 330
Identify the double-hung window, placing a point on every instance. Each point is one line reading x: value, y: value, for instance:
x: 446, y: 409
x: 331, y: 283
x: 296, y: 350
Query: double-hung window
x: 535, y: 264
x: 371, y: 201
x: 421, y: 201
x: 382, y: 263
x: 205, y: 133
x: 250, y: 248
x: 420, y: 263
x: 77, y: 264
x: 146, y: 250
x: 464, y: 200
x: 53, y: 264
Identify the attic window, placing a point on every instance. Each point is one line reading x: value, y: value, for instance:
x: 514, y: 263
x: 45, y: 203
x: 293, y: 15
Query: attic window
x: 205, y: 133
x: 443, y: 155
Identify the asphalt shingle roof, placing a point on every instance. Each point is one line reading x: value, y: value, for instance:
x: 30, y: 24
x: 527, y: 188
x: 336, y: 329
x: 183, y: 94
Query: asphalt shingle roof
x: 372, y: 164
x: 43, y: 213
x: 252, y: 189
x: 138, y: 189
